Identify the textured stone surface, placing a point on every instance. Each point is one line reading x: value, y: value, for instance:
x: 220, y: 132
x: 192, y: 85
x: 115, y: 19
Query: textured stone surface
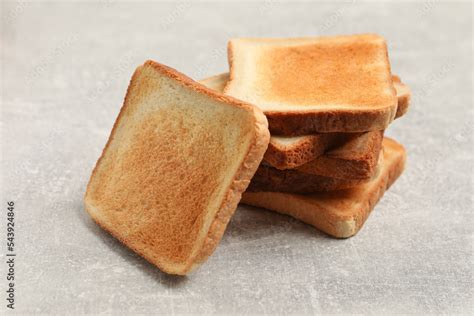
x: 65, y: 69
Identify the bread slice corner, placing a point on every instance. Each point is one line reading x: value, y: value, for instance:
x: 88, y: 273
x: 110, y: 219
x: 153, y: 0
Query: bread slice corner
x: 173, y: 170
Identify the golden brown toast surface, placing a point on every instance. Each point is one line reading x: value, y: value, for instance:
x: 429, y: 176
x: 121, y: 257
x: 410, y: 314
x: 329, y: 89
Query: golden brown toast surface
x: 338, y: 213
x: 174, y: 167
x: 308, y: 85
x: 326, y: 72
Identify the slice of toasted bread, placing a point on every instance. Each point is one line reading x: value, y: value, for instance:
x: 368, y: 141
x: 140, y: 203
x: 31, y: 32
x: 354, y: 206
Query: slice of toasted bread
x: 216, y: 82
x: 174, y: 167
x: 355, y: 159
x: 403, y: 96
x: 315, y: 85
x: 271, y: 179
x: 292, y: 152
x: 338, y: 213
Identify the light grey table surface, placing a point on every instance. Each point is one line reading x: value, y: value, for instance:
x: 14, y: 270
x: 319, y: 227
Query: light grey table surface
x: 65, y: 70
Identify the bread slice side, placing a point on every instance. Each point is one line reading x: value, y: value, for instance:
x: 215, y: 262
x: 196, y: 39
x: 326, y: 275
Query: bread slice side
x: 293, y: 152
x: 403, y: 96
x: 340, y: 214
x: 313, y: 85
x: 173, y: 170
x: 268, y: 178
x: 356, y: 159
x: 216, y: 82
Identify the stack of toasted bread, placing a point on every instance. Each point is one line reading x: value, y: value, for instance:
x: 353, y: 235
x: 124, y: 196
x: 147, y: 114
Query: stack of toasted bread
x: 328, y: 102
x: 296, y: 127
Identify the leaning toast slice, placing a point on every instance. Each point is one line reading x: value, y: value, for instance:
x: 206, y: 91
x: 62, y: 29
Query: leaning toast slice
x: 292, y: 152
x: 314, y: 85
x: 174, y: 168
x: 339, y: 213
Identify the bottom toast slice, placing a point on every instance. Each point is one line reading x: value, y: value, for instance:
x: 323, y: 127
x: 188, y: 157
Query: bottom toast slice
x: 338, y: 213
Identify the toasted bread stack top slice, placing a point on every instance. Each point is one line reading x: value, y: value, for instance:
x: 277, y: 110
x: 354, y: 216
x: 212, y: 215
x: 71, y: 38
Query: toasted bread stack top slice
x: 286, y: 152
x: 338, y: 213
x: 218, y: 83
x: 175, y: 165
x: 311, y: 85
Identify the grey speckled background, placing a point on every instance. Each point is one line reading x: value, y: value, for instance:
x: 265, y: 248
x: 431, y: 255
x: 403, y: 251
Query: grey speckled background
x: 65, y: 69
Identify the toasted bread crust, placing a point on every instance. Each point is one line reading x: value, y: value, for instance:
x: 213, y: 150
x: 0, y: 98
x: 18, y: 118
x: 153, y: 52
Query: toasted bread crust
x: 310, y: 146
x: 404, y: 97
x: 303, y: 123
x: 340, y: 214
x: 297, y: 122
x: 293, y: 181
x: 240, y: 181
x: 356, y: 159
